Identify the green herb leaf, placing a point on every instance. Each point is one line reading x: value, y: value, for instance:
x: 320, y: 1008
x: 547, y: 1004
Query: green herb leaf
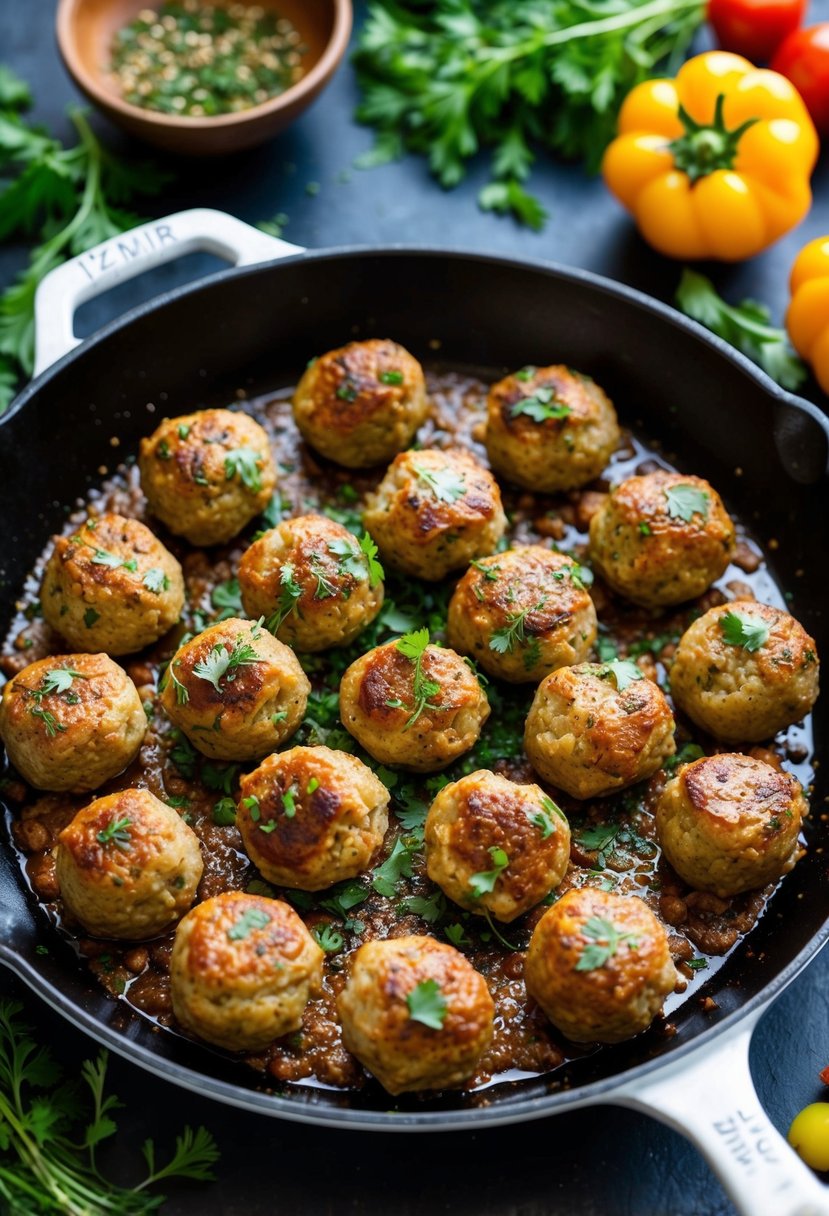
x: 740, y: 629
x: 224, y: 812
x: 413, y: 646
x: 684, y: 502
x: 623, y: 672
x: 224, y: 662
x: 251, y: 919
x: 541, y: 406
x: 484, y: 882
x: 290, y: 594
x: 245, y: 463
x: 227, y: 597
x: 397, y: 865
x: 604, y: 939
x: 427, y: 1004
x: 156, y: 580
x: 116, y: 832
x: 445, y: 484
x: 329, y: 938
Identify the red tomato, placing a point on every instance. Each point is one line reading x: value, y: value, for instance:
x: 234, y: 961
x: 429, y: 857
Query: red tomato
x: 754, y: 28
x: 804, y: 59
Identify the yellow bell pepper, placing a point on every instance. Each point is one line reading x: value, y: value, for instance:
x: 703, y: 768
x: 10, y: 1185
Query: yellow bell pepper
x: 715, y: 163
x: 808, y: 317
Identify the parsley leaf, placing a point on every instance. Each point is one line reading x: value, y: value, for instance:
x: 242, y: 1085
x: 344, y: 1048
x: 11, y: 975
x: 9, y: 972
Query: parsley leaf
x: 156, y: 580
x: 59, y: 679
x: 224, y: 812
x: 397, y: 865
x: 427, y: 1004
x: 623, y: 672
x: 504, y: 640
x: 541, y: 406
x: 740, y: 629
x: 224, y: 662
x: 684, y: 502
x: 484, y: 882
x: 251, y: 919
x: 413, y: 646
x: 445, y: 484
x: 329, y: 938
x: 116, y: 832
x: 227, y: 597
x: 430, y: 907
x: 245, y: 463
x: 604, y: 941
x: 543, y: 819
x: 290, y: 594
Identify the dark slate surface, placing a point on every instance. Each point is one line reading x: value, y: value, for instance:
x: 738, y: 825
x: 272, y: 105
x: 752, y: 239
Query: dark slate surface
x: 605, y: 1162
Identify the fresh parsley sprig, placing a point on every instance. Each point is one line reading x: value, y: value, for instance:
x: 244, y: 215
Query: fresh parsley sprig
x: 542, y: 406
x: 604, y: 940
x: 413, y: 646
x: 740, y: 629
x: 484, y: 882
x: 225, y: 662
x: 427, y: 1004
x: 289, y: 597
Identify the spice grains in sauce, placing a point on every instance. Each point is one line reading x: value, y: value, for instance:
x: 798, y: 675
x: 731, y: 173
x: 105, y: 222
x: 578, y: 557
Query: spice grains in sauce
x: 613, y: 844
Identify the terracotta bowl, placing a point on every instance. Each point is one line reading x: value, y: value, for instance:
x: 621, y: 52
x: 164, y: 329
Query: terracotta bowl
x: 85, y: 30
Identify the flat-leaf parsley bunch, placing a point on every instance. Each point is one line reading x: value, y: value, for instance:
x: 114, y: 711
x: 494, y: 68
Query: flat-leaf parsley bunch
x: 449, y: 77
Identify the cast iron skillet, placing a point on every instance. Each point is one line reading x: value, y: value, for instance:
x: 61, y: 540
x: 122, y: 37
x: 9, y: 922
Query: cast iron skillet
x: 252, y: 328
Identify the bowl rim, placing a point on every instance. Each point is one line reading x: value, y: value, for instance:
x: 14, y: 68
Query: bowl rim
x: 89, y: 82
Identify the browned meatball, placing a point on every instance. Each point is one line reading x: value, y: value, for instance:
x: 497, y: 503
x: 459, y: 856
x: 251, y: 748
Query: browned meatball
x: 549, y: 428
x: 661, y: 538
x: 111, y: 586
x: 206, y: 475
x: 494, y: 846
x: 599, y: 966
x: 434, y: 511
x: 361, y: 404
x: 744, y: 671
x: 418, y: 713
x: 315, y: 583
x: 729, y: 823
x: 71, y: 721
x: 235, y: 691
x: 415, y: 1013
x: 128, y: 865
x: 597, y: 728
x: 243, y: 969
x: 310, y: 817
x: 523, y: 613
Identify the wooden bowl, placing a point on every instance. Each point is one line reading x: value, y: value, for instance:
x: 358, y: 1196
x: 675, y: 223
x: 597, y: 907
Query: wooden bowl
x: 85, y: 31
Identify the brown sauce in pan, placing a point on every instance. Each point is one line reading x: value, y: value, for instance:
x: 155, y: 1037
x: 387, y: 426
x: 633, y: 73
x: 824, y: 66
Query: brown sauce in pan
x: 613, y: 838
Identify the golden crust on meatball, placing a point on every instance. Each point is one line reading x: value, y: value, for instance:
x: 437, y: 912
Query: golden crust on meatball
x: 434, y: 511
x: 235, y: 691
x: 111, y: 586
x: 661, y: 538
x: 729, y: 823
x: 597, y: 728
x: 415, y: 713
x: 378, y: 1004
x: 599, y: 966
x: 128, y: 866
x: 361, y: 404
x: 744, y: 671
x: 206, y: 475
x: 310, y: 817
x: 549, y: 428
x: 496, y: 847
x: 243, y: 969
x: 315, y: 583
x: 71, y: 721
x: 523, y: 613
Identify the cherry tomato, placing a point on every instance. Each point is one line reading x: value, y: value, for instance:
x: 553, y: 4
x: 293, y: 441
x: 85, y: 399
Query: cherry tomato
x: 804, y: 59
x: 809, y: 1135
x: 754, y: 28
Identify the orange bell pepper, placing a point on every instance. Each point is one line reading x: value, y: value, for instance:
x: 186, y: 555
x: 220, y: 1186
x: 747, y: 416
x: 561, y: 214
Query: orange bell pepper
x: 807, y: 319
x: 715, y: 163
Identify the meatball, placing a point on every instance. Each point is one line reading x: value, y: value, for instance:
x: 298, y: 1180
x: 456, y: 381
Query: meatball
x: 434, y: 512
x: 71, y: 722
x: 413, y: 705
x: 315, y: 583
x: 206, y: 475
x: 523, y: 613
x: 415, y: 1013
x: 111, y: 586
x: 662, y: 538
x: 729, y: 823
x: 744, y: 671
x: 549, y: 428
x: 310, y: 817
x: 597, y: 728
x: 235, y: 691
x: 599, y: 966
x: 496, y: 847
x: 243, y: 969
x: 361, y: 404
x: 128, y: 866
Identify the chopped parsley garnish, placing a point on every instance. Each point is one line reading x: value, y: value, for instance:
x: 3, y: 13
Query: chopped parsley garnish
x: 427, y: 1004
x: 49, y: 720
x: 116, y: 832
x: 543, y: 819
x: 504, y: 640
x: 348, y: 391
x: 696, y: 964
x: 325, y: 589
x: 684, y: 502
x: 526, y: 373
x: 541, y: 406
x: 245, y: 463
x: 227, y: 597
x: 687, y: 753
x: 445, y: 484
x: 484, y: 882
x: 645, y: 529
x: 224, y: 663
x: 182, y: 695
x: 90, y: 617
x: 359, y: 561
x: 397, y: 865
x: 251, y: 918
x: 430, y: 907
x: 57, y: 680
x: 100, y: 557
x: 623, y: 672
x: 604, y: 941
x: 457, y: 935
x: 163, y: 450
x: 413, y: 646
x: 739, y: 629
x: 290, y: 594
x: 390, y: 377
x: 289, y: 802
x: 156, y: 580
x: 490, y: 573
x: 331, y: 940
x: 183, y: 430
x: 312, y: 785
x: 224, y: 812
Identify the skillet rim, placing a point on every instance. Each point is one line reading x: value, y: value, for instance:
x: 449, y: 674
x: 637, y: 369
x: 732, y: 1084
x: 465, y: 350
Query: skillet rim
x: 517, y: 1110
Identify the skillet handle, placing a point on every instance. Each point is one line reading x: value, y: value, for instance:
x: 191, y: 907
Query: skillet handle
x: 708, y: 1096
x: 123, y: 257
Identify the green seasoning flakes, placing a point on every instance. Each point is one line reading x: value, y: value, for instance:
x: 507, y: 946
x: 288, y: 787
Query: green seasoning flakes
x: 196, y: 59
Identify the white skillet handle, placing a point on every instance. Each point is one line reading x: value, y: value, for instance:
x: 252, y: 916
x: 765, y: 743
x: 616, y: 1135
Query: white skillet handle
x: 709, y: 1096
x: 200, y: 230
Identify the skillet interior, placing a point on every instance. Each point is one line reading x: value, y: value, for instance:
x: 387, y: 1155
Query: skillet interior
x: 252, y: 329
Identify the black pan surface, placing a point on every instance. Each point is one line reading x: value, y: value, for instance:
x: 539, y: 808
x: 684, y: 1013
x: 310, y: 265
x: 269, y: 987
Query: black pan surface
x: 713, y: 412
